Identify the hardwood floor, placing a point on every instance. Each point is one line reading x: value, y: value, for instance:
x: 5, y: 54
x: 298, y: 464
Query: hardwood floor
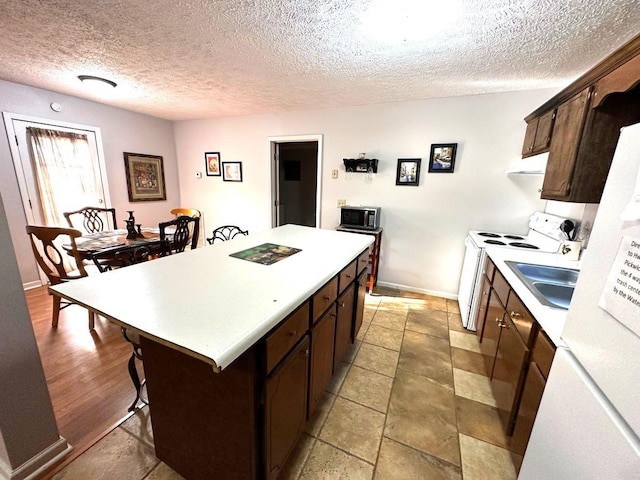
x: 86, y: 371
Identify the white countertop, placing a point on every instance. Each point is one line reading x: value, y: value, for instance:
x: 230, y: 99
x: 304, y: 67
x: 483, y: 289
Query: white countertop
x: 213, y: 306
x: 551, y: 320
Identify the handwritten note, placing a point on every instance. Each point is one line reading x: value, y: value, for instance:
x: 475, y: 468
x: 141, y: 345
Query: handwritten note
x: 621, y: 294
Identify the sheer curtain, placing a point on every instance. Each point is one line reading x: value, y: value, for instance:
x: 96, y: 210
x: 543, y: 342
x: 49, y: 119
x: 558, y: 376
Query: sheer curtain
x: 67, y: 176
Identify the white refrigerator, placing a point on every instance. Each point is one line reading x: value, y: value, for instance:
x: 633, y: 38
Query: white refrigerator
x: 588, y: 423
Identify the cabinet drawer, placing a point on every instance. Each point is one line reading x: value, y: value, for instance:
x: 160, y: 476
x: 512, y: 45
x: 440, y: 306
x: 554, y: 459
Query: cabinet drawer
x: 286, y: 336
x: 521, y: 318
x: 501, y: 287
x: 363, y: 260
x: 324, y: 297
x: 543, y: 353
x: 347, y: 275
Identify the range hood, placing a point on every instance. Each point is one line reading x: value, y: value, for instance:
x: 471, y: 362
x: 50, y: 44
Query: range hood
x: 535, y: 165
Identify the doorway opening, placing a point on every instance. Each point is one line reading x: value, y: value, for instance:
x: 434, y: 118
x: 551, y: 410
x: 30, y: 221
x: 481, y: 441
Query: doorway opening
x: 296, y: 180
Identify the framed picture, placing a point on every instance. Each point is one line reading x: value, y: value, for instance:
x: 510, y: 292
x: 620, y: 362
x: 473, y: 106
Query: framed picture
x: 232, y: 171
x: 145, y: 177
x: 408, y: 172
x: 212, y: 163
x: 443, y: 157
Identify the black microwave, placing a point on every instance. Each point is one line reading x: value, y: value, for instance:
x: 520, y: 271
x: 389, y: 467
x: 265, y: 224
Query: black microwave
x: 365, y: 218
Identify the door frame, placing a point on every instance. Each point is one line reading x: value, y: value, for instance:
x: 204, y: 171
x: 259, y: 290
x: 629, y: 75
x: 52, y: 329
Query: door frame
x: 273, y: 178
x: 18, y: 161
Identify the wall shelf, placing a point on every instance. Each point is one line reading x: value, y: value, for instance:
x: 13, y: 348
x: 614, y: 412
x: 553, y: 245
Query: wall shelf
x: 361, y: 165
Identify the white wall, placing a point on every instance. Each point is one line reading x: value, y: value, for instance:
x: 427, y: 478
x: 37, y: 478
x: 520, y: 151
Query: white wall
x: 122, y: 131
x: 425, y: 226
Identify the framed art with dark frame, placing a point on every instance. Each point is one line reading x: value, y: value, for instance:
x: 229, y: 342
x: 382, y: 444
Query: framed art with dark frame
x: 408, y: 172
x: 145, y: 177
x: 443, y: 157
x: 212, y: 163
x: 232, y: 171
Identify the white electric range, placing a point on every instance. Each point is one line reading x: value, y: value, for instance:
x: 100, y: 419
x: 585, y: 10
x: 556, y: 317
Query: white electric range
x: 545, y: 235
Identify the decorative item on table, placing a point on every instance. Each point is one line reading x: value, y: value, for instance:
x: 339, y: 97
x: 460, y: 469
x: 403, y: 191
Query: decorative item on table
x: 232, y: 171
x: 145, y: 177
x: 408, y: 171
x: 212, y: 163
x: 443, y: 157
x: 132, y: 233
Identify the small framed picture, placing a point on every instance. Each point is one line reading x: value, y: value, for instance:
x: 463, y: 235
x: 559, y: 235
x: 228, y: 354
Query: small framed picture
x: 232, y: 171
x: 212, y: 163
x: 145, y: 177
x: 443, y: 157
x: 408, y: 172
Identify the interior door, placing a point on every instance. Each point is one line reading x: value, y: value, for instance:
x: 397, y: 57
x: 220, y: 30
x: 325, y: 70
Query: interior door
x: 296, y: 181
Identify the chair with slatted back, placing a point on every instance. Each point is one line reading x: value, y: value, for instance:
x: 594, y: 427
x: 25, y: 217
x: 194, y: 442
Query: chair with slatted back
x: 178, y: 234
x: 226, y: 232
x: 46, y: 243
x: 94, y: 219
x: 112, y: 259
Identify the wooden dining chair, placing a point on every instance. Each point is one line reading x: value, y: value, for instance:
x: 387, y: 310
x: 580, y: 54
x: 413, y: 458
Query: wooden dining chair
x: 226, y: 232
x: 189, y: 212
x: 112, y: 259
x: 178, y: 234
x: 46, y: 243
x: 94, y: 219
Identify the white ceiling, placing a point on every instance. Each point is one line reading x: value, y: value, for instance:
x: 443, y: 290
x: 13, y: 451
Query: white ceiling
x: 196, y: 58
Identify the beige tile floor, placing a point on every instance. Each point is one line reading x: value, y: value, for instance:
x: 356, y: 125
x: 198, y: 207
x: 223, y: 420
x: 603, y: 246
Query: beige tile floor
x: 410, y: 401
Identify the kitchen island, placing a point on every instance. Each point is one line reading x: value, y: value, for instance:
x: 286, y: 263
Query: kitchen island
x: 235, y: 352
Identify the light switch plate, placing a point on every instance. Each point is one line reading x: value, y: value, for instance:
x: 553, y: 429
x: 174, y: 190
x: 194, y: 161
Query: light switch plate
x: 198, y: 174
x: 334, y: 174
x: 341, y: 202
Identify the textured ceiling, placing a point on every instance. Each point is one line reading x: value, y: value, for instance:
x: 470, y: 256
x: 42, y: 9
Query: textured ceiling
x: 196, y: 59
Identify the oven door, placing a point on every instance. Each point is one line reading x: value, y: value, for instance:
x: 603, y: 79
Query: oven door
x: 470, y: 280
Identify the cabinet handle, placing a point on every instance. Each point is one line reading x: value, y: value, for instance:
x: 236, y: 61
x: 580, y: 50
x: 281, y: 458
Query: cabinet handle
x: 327, y: 297
x: 348, y: 276
x: 503, y: 325
x: 498, y: 320
x: 342, y: 305
x: 306, y: 352
x: 293, y: 334
x: 515, y: 315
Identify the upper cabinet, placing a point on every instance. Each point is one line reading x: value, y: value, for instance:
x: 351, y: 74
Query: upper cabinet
x: 580, y: 126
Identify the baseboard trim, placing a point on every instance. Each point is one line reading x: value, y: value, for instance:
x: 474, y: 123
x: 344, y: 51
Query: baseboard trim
x: 450, y: 296
x: 33, y: 467
x: 30, y: 285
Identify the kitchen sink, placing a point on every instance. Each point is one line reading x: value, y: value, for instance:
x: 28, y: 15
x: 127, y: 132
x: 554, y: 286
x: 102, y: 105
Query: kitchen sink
x: 552, y: 286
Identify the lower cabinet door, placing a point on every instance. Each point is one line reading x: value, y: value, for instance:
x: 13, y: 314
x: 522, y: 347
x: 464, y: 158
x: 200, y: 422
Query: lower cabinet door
x: 285, y: 412
x: 344, y: 323
x: 491, y: 331
x: 531, y: 397
x: 322, y: 348
x: 361, y: 285
x: 508, y: 371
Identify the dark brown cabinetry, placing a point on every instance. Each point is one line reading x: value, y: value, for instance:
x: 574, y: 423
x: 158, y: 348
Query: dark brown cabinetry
x: 588, y: 116
x: 322, y: 352
x: 538, y: 135
x: 285, y: 408
x: 361, y: 286
x: 344, y: 324
x: 370, y: 259
x: 517, y: 354
x: 244, y: 421
x: 482, y: 308
x: 508, y: 370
